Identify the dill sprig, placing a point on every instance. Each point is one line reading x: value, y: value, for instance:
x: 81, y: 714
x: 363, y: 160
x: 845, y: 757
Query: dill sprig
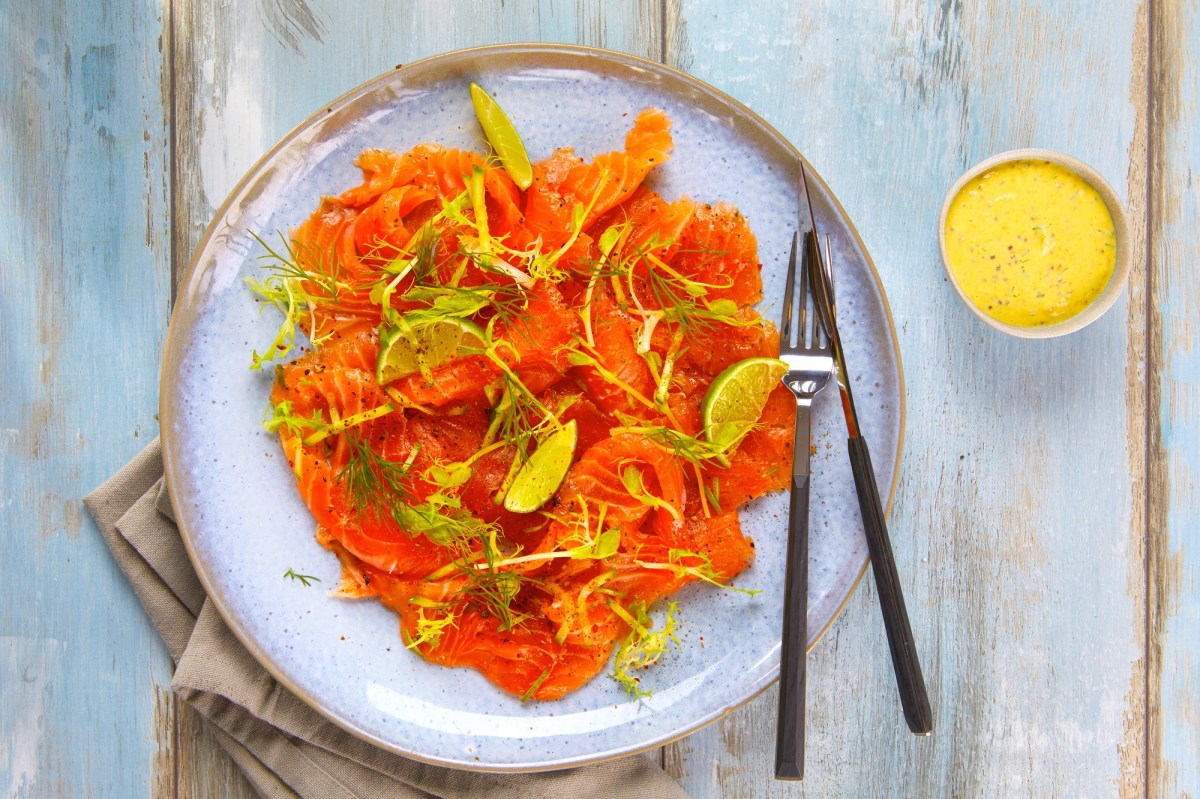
x: 377, y: 488
x: 443, y: 295
x: 525, y: 416
x: 305, y: 579
x: 422, y: 258
x: 299, y: 279
x: 493, y: 592
x: 485, y: 586
x: 677, y: 298
x: 301, y: 261
x: 684, y: 307
x: 419, y: 259
x: 694, y: 450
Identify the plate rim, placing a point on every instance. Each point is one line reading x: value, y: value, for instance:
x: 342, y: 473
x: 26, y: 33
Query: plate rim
x: 172, y: 468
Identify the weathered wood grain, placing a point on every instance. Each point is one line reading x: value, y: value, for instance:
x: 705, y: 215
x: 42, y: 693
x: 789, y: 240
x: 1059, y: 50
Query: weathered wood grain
x: 1014, y: 513
x: 1174, y: 432
x: 84, y: 280
x: 1136, y: 756
x: 1045, y: 518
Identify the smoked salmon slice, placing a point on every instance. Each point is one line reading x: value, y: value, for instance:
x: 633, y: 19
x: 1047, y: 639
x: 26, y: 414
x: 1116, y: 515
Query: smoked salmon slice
x: 565, y: 181
x: 592, y: 302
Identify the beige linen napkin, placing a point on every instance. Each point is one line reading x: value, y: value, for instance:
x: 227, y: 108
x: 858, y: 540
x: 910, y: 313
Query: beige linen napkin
x: 284, y: 747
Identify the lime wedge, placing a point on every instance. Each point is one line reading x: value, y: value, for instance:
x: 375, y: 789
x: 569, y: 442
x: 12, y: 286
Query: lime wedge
x: 503, y: 137
x: 544, y: 472
x: 403, y: 351
x: 737, y: 397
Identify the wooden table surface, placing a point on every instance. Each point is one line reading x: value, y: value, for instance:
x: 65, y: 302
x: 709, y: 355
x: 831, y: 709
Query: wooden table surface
x: 1045, y: 521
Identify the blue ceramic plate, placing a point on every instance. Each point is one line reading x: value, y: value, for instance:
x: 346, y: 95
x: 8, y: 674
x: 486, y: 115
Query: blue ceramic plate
x: 245, y: 525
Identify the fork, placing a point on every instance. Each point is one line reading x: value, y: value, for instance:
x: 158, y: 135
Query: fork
x: 805, y: 348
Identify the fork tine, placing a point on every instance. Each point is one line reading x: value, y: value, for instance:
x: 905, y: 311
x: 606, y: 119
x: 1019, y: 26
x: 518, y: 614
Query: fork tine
x: 811, y: 265
x: 802, y: 321
x: 816, y: 281
x: 816, y: 327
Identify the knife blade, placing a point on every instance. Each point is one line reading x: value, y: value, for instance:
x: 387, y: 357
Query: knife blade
x: 909, y: 680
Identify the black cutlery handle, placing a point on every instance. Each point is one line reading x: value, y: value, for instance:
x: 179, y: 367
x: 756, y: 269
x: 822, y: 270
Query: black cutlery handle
x: 789, y: 730
x: 891, y: 597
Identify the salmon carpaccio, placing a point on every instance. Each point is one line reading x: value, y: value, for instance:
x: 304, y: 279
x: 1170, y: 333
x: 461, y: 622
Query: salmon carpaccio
x: 600, y: 303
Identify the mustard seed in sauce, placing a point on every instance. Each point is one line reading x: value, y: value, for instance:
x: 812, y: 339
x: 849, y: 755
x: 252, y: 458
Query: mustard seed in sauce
x: 1030, y: 243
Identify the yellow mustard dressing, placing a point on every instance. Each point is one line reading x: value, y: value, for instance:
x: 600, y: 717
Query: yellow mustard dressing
x: 1030, y: 243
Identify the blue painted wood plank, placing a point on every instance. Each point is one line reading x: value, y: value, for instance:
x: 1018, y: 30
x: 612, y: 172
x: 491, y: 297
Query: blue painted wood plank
x: 83, y: 310
x: 1176, y: 294
x: 1014, y: 524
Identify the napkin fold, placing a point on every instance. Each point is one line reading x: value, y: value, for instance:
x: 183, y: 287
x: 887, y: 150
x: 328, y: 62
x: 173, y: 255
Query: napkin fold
x: 285, y: 748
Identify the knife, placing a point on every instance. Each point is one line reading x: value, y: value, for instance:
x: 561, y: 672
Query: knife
x: 913, y: 696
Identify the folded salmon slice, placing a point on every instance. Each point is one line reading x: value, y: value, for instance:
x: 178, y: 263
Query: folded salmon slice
x: 564, y: 181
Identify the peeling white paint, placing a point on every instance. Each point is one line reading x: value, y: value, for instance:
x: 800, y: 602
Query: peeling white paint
x: 27, y: 666
x: 231, y: 138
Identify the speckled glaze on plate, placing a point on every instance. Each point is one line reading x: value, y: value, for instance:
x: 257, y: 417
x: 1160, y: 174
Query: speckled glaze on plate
x: 243, y: 521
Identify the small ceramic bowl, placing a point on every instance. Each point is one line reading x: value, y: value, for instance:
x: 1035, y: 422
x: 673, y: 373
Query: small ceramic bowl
x: 1120, y: 275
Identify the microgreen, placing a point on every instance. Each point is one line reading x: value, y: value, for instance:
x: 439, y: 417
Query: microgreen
x: 697, y: 566
x: 429, y: 630
x: 586, y: 541
x: 610, y: 239
x: 713, y: 492
x: 580, y: 613
x: 634, y: 482
x: 577, y: 356
x: 318, y: 429
x: 643, y: 646
x: 525, y: 697
x: 545, y: 266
